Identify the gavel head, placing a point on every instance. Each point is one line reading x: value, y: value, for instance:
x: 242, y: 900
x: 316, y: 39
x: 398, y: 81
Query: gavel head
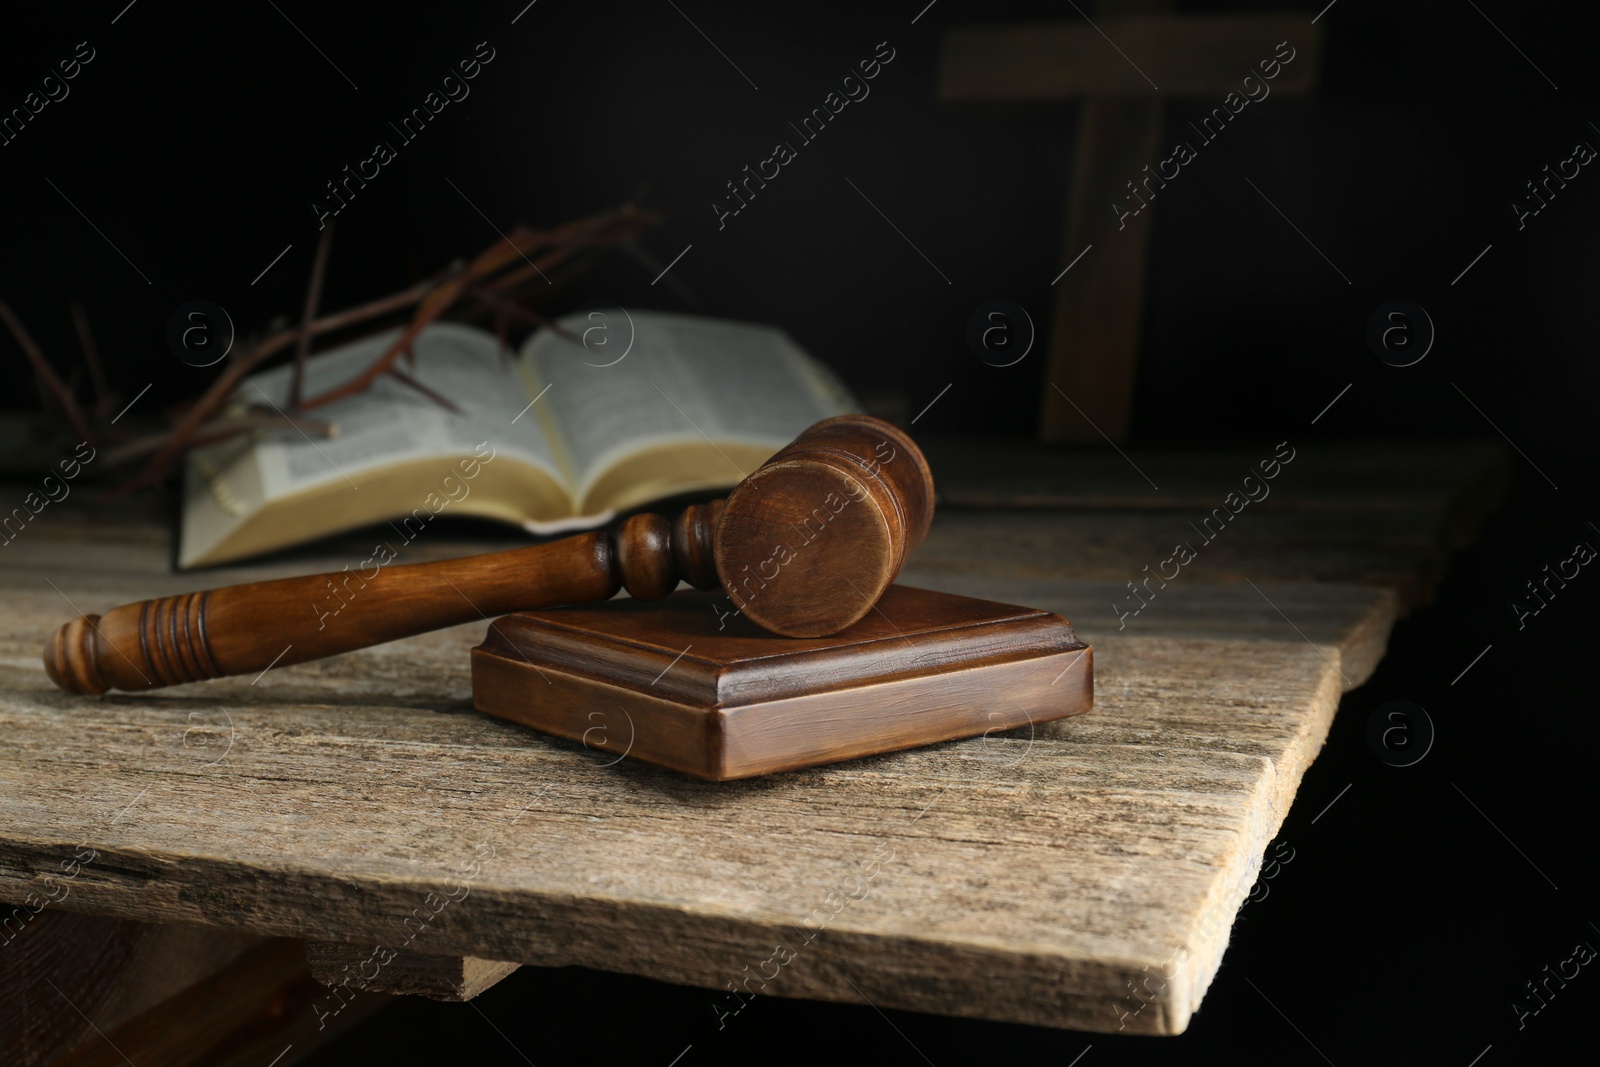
x: 807, y: 544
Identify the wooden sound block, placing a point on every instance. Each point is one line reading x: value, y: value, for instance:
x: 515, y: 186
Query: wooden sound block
x: 684, y: 683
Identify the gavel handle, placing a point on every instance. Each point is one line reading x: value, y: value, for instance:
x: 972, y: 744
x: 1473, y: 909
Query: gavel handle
x: 244, y: 629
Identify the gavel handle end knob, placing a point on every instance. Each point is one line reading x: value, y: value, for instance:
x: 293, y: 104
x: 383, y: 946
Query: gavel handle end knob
x: 69, y: 658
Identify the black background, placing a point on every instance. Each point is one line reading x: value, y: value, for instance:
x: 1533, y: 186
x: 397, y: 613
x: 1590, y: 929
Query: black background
x: 197, y: 137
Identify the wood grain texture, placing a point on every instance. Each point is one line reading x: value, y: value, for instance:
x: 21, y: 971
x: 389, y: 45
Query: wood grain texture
x: 1404, y: 553
x: 1356, y: 620
x: 683, y: 686
x: 1018, y: 877
x: 1459, y: 479
x: 244, y: 629
x: 807, y: 544
x: 454, y: 978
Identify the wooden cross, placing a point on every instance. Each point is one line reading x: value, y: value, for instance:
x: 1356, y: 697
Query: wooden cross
x: 1109, y: 63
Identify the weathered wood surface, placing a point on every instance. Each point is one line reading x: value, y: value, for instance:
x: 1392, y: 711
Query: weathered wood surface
x: 1459, y: 479
x: 1014, y: 877
x: 411, y: 973
x: 1382, y: 515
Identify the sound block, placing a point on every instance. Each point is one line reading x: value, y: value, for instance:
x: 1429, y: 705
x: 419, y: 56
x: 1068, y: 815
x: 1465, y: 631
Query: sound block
x: 683, y: 683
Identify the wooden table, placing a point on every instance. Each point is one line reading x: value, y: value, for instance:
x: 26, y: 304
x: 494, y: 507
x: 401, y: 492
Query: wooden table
x: 1083, y: 874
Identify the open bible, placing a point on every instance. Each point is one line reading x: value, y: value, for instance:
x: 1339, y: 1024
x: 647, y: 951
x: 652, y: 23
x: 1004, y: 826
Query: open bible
x: 610, y: 412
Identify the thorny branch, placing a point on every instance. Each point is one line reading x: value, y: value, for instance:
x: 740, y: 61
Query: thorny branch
x: 492, y: 280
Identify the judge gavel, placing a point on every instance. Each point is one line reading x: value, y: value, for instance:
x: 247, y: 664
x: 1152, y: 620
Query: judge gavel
x: 804, y: 547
